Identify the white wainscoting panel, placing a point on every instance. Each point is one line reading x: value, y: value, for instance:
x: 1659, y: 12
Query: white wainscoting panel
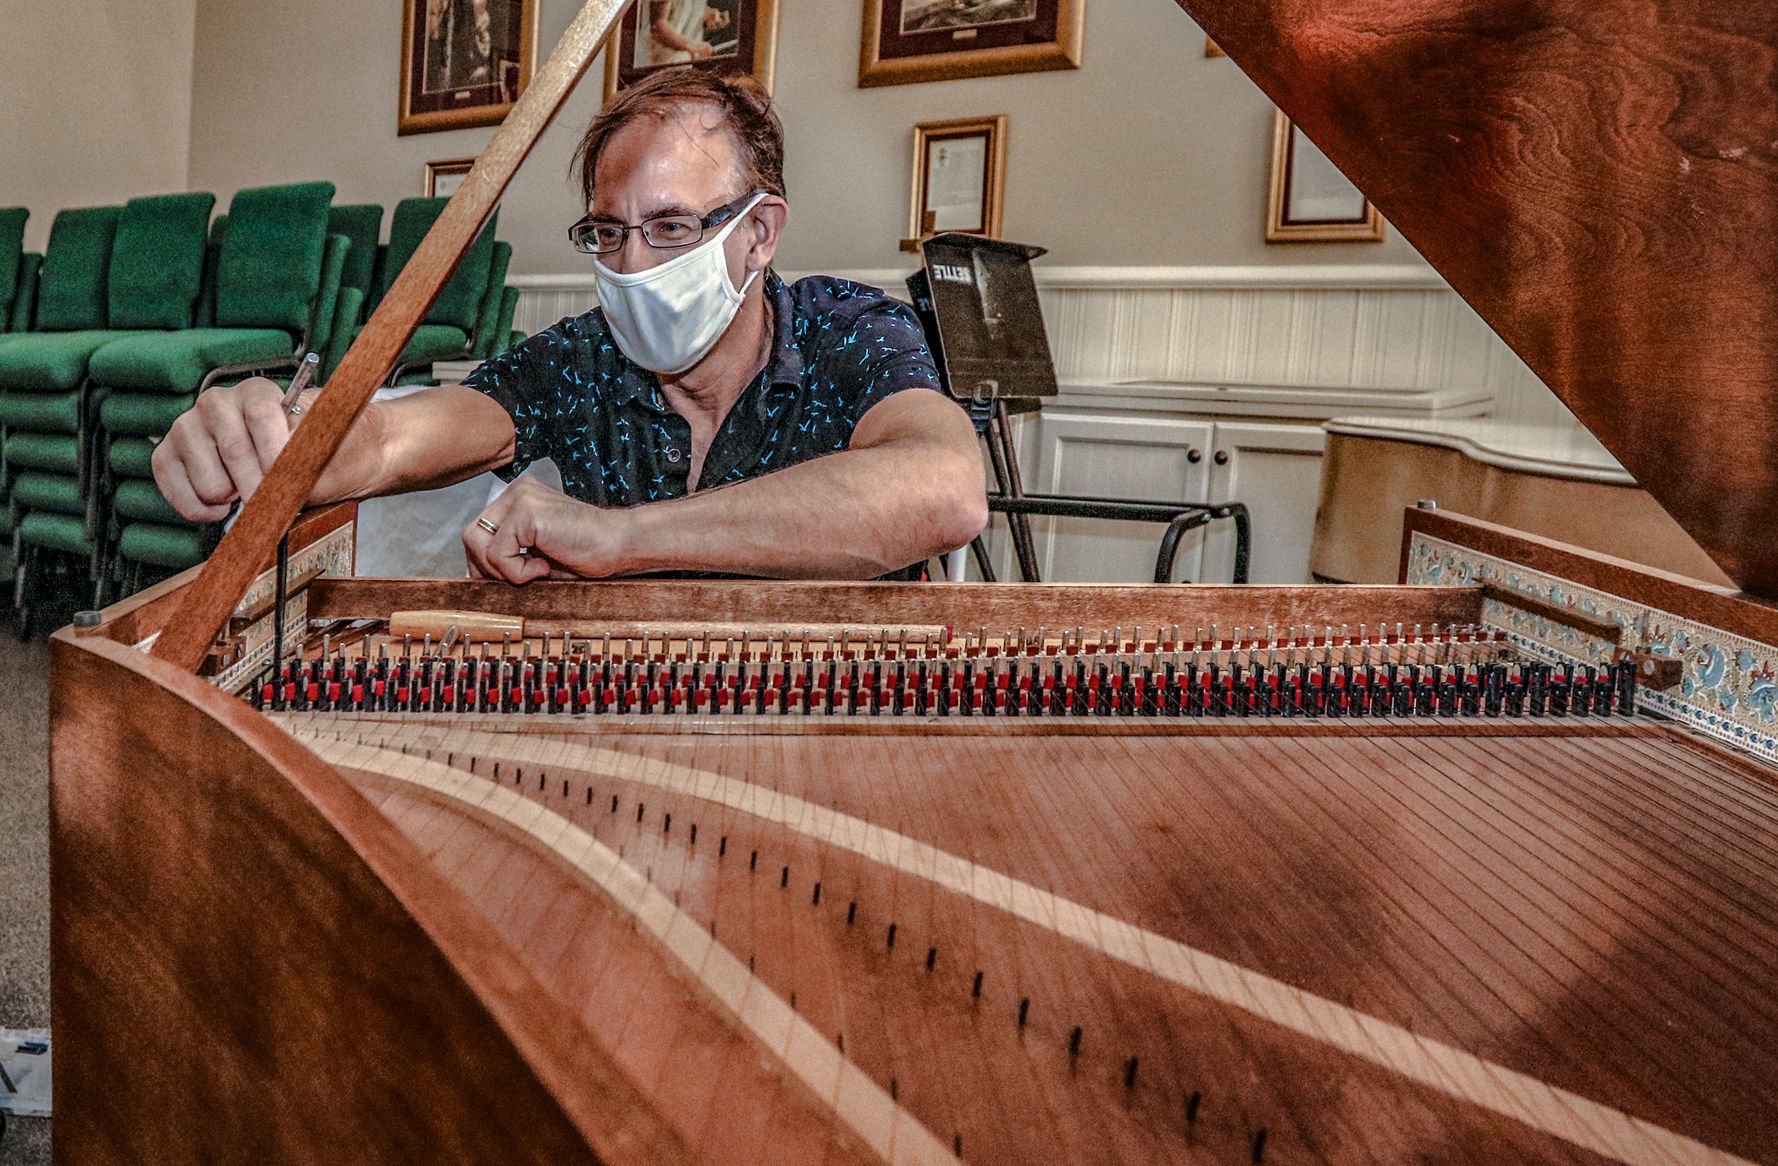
x: 1333, y: 327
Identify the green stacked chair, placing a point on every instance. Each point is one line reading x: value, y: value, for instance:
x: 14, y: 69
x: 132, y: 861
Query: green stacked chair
x: 277, y: 268
x: 361, y: 224
x: 505, y: 335
x: 448, y: 331
x: 47, y: 411
x: 22, y: 312
x: 43, y: 374
x: 488, y: 325
x: 12, y: 257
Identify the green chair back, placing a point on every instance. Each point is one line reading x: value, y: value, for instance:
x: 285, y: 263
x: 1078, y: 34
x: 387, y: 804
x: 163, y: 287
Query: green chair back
x: 22, y: 315
x: 504, y: 334
x: 206, y: 310
x: 362, y: 225
x: 71, y: 287
x: 459, y: 302
x: 269, y: 270
x: 487, y: 324
x: 157, y: 262
x: 12, y: 254
x: 333, y: 262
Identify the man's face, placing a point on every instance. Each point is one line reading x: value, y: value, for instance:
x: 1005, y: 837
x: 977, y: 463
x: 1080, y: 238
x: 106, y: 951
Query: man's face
x: 680, y: 164
x: 715, y: 19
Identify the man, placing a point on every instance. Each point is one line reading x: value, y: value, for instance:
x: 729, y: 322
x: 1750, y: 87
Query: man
x: 676, y: 31
x: 706, y: 417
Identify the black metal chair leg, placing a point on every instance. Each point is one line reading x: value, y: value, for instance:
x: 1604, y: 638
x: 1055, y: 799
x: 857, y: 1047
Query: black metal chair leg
x: 982, y: 564
x: 1163, y: 564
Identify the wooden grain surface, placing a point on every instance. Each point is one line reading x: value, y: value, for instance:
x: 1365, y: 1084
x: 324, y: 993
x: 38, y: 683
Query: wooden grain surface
x: 1599, y: 179
x: 291, y: 480
x: 250, y: 964
x: 962, y: 606
x: 1372, y: 949
x: 1752, y: 616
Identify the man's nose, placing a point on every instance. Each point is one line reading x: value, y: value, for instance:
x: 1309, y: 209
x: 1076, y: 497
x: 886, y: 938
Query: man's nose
x: 635, y: 255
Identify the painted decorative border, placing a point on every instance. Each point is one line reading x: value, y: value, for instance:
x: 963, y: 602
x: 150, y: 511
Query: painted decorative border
x: 1729, y: 690
x: 332, y: 553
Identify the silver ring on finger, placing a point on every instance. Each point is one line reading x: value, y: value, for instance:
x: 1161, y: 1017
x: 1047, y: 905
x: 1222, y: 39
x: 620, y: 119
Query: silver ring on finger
x: 490, y: 527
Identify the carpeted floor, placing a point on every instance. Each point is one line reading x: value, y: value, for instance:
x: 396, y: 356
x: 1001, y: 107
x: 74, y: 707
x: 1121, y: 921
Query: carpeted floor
x: 24, y: 865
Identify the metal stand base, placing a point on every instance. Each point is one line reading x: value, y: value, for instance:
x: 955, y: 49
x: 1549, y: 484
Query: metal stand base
x: 993, y: 425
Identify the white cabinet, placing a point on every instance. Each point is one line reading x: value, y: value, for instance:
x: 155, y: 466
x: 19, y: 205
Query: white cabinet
x: 1149, y: 459
x: 1276, y: 470
x: 1272, y: 467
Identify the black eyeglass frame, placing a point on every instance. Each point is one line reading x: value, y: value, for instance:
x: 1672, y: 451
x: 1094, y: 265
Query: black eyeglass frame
x: 581, y: 232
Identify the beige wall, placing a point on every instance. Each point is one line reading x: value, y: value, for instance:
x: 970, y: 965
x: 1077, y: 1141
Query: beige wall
x: 1150, y: 154
x: 96, y: 97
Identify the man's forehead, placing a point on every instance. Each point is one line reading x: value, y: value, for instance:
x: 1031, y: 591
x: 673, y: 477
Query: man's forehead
x: 689, y: 135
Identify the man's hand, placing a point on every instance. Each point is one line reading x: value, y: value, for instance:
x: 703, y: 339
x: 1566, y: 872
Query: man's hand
x: 539, y: 531
x: 219, y: 450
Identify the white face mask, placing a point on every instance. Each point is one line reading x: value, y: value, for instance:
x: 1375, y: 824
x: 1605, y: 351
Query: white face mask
x: 668, y: 317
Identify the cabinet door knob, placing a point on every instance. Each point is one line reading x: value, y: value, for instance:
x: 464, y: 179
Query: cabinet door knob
x: 1222, y: 457
x: 1194, y: 456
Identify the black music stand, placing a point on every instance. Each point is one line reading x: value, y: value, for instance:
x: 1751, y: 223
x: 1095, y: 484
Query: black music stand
x: 977, y: 300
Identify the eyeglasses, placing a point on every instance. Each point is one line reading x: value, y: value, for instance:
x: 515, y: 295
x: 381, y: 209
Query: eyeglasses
x: 663, y: 232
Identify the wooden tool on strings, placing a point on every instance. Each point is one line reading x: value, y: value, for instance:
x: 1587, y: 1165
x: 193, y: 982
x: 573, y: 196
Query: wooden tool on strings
x: 248, y: 545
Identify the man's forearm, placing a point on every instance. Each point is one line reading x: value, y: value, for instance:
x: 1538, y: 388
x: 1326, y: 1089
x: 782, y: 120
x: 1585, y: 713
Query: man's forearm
x: 419, y: 442
x: 854, y: 514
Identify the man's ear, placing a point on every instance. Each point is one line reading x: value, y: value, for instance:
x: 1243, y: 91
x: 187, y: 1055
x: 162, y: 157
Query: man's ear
x: 766, y: 227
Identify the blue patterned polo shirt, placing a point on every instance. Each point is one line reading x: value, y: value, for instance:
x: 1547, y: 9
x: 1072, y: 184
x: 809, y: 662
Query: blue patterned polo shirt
x: 838, y: 349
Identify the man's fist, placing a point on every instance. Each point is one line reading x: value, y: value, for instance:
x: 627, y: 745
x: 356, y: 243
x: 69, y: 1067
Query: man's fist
x: 219, y: 449
x: 531, y: 532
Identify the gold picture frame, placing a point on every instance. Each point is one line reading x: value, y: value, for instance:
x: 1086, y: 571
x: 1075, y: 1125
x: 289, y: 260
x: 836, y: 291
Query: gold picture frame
x: 1310, y: 201
x: 445, y: 175
x: 752, y: 49
x: 959, y: 178
x: 906, y: 41
x: 456, y: 72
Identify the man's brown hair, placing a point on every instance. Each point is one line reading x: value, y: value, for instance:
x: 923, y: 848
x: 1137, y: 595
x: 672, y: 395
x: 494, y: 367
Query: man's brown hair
x: 744, y: 106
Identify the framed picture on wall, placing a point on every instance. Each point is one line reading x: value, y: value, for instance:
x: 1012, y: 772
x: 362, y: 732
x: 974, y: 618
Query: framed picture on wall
x: 959, y: 178
x: 464, y: 62
x: 938, y: 40
x: 729, y: 37
x: 444, y: 177
x: 1310, y: 200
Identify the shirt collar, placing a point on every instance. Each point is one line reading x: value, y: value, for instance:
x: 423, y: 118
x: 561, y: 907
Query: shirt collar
x: 785, y: 365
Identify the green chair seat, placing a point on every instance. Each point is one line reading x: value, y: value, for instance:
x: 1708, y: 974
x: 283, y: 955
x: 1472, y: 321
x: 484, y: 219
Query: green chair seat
x: 143, y: 414
x: 435, y: 342
x: 43, y: 451
x: 178, y: 362
x: 140, y: 498
x: 432, y: 342
x: 61, y: 532
x: 131, y: 457
x: 162, y: 546
x: 42, y: 412
x: 57, y: 493
x: 51, y: 362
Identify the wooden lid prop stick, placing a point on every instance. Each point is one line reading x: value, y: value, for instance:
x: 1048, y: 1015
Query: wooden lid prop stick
x: 250, y: 544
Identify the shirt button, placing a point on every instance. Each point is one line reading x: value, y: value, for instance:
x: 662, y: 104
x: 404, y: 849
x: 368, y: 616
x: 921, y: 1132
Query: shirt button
x: 673, y: 456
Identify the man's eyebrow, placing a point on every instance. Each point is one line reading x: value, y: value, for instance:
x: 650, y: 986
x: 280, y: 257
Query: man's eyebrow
x: 671, y: 208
